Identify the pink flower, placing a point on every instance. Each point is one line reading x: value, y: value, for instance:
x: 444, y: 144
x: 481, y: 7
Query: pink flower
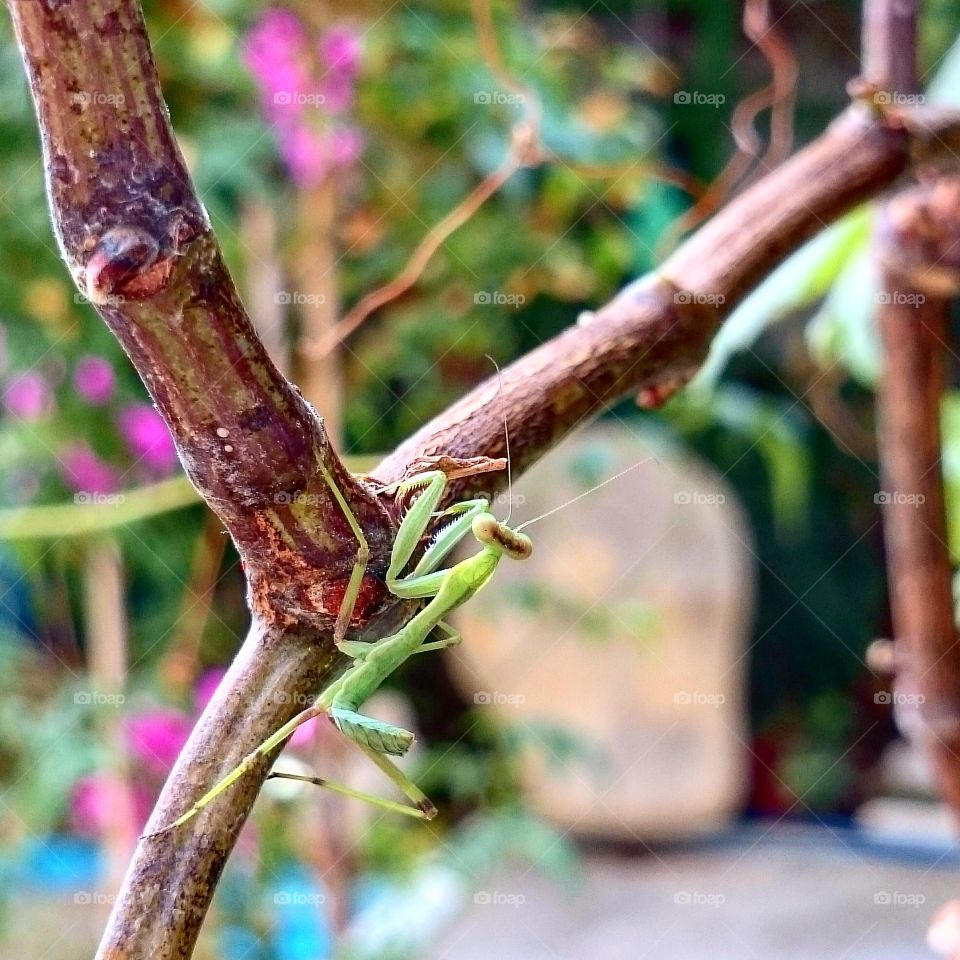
x: 346, y: 145
x: 156, y: 737
x: 94, y: 380
x: 92, y: 803
x: 148, y: 438
x: 84, y: 472
x: 337, y: 92
x: 303, y: 736
x: 27, y: 396
x: 96, y: 799
x: 307, y: 155
x: 340, y: 49
x: 275, y: 52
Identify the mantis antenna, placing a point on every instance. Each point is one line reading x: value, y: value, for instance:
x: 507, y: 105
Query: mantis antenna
x: 506, y: 437
x: 586, y: 493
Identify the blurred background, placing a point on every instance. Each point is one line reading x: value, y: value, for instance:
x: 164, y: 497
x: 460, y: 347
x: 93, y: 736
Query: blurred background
x: 661, y: 733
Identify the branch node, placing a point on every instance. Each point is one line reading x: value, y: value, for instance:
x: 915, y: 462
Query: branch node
x: 125, y: 263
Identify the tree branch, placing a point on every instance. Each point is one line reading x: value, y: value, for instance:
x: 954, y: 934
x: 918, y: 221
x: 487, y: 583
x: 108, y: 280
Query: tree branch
x: 920, y: 250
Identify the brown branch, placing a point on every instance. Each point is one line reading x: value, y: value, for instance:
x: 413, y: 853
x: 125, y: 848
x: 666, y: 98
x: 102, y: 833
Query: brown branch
x: 920, y: 250
x: 654, y: 335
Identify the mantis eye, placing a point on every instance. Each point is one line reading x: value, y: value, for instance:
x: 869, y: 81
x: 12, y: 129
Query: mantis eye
x: 492, y: 533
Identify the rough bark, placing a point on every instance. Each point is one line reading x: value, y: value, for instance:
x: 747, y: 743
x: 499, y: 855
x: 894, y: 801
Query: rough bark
x: 919, y: 246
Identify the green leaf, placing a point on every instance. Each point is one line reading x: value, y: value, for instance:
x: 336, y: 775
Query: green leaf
x: 798, y: 282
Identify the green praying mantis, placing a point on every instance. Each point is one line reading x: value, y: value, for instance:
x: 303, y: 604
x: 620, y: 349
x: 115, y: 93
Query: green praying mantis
x: 444, y: 589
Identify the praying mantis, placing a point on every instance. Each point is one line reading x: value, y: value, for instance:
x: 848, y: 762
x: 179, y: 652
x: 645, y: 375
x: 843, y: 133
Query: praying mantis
x: 444, y: 589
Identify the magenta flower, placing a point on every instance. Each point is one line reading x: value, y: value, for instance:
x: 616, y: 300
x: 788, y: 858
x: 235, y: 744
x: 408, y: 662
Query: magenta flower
x: 337, y: 92
x: 84, y: 472
x: 307, y: 155
x: 275, y: 52
x: 27, y: 396
x: 346, y: 145
x: 96, y: 799
x: 148, y: 438
x: 155, y: 737
x: 92, y: 803
x: 94, y: 380
x: 291, y: 78
x: 340, y: 49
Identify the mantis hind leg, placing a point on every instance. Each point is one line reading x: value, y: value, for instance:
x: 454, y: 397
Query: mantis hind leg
x: 420, y: 812
x: 452, y: 638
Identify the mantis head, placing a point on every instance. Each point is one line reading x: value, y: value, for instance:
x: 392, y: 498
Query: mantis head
x: 490, y: 532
